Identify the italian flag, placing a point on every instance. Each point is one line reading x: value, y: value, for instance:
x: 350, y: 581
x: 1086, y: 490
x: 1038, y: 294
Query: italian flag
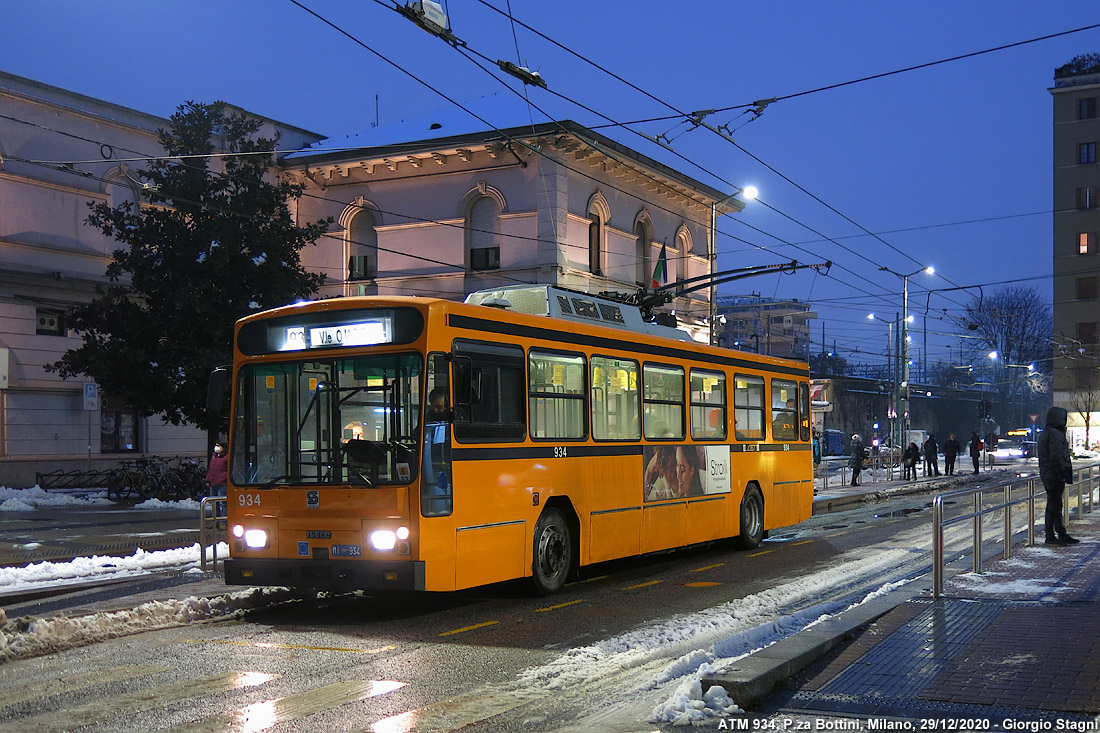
x: 660, y: 272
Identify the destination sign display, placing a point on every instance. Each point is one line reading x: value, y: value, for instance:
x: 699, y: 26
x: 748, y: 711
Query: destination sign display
x: 363, y: 333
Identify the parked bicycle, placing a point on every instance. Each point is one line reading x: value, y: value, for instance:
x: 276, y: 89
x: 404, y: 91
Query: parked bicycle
x: 139, y: 479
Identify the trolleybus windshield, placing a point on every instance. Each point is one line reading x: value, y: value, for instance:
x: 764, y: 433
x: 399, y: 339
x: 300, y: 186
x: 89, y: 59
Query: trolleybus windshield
x: 327, y: 422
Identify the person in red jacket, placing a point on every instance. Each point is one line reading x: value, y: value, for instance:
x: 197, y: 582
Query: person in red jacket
x: 217, y: 473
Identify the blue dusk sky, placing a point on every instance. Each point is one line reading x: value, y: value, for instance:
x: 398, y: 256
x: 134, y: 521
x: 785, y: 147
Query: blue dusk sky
x: 948, y: 165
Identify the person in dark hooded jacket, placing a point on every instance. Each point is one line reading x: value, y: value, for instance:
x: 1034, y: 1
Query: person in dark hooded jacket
x: 932, y: 456
x: 975, y: 449
x: 1056, y: 470
x: 951, y: 448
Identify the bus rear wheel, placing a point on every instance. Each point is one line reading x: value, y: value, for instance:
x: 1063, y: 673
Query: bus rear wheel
x: 553, y: 552
x: 752, y: 519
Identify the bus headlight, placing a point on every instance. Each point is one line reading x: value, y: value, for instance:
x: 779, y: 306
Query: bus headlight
x: 383, y: 539
x: 255, y: 539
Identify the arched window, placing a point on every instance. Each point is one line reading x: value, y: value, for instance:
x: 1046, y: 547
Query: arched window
x: 643, y: 273
x: 120, y: 188
x: 683, y: 251
x: 362, y: 247
x: 595, y: 243
x: 483, y: 229
x: 599, y: 214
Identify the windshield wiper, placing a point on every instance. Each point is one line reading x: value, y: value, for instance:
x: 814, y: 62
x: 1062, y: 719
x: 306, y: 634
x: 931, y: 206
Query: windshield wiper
x: 277, y: 479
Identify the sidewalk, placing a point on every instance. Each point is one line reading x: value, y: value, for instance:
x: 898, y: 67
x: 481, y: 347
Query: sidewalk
x: 1020, y: 642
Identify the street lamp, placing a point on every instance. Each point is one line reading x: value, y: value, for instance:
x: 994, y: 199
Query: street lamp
x: 905, y: 321
x: 895, y: 440
x: 731, y: 204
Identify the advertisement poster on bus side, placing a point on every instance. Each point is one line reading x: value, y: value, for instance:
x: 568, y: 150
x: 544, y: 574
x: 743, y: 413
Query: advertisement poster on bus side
x: 681, y: 471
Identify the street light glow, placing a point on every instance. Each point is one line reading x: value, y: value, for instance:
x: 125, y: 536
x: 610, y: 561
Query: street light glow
x: 930, y: 270
x: 993, y: 355
x: 749, y: 193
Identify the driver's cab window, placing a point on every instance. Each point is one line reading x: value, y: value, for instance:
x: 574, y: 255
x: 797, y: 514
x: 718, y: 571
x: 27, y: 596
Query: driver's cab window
x: 436, y: 497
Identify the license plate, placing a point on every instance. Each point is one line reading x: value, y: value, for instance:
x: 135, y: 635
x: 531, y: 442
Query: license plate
x: 347, y: 551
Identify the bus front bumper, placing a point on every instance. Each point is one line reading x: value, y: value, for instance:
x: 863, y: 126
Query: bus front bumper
x: 326, y: 574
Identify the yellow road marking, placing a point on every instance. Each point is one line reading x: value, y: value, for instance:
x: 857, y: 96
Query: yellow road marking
x: 641, y: 585
x: 836, y: 534
x: 758, y: 554
x: 469, y: 628
x: 708, y: 567
x: 803, y: 542
x: 268, y: 645
x: 598, y: 577
x: 701, y: 584
x: 560, y: 605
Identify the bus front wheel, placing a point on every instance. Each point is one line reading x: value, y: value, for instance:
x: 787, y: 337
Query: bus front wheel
x: 752, y: 519
x: 553, y: 552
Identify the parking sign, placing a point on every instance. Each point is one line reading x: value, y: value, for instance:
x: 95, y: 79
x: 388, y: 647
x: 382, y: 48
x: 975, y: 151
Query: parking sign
x: 91, y: 396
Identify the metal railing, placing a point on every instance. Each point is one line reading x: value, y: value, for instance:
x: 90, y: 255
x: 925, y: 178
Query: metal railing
x: 212, y: 526
x: 832, y: 467
x: 1083, y: 490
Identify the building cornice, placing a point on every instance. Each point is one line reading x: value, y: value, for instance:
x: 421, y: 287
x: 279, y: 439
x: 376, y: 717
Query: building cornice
x: 566, y: 139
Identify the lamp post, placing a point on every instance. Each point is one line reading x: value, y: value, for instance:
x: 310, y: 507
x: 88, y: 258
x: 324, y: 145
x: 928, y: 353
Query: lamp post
x: 748, y: 193
x: 905, y: 321
x: 894, y: 438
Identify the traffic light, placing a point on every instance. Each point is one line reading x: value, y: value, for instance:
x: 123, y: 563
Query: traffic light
x: 985, y: 408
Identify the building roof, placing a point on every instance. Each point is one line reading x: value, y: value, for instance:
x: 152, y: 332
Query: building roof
x: 495, y: 119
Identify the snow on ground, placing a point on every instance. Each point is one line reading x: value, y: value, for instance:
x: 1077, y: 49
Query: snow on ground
x: 703, y: 643
x: 40, y: 575
x: 26, y: 500
x: 29, y: 636
x: 1020, y: 577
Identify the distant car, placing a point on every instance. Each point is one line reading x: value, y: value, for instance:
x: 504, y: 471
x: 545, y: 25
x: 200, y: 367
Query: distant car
x: 1009, y: 449
x: 1079, y: 451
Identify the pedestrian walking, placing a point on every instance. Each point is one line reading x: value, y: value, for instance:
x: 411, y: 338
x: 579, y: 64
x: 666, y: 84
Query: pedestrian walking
x: 1056, y: 470
x: 909, y: 461
x: 975, y: 449
x: 932, y: 456
x: 858, y: 455
x: 951, y: 450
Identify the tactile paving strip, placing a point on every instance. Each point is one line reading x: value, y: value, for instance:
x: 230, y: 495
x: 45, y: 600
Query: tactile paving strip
x: 889, y: 678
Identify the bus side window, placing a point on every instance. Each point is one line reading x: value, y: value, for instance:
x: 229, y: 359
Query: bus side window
x: 748, y: 404
x: 490, y: 392
x: 784, y: 410
x: 708, y: 405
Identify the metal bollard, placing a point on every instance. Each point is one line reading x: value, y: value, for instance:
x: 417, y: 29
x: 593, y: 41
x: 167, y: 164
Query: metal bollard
x: 1008, y: 522
x: 1030, y: 512
x: 978, y: 532
x: 937, y: 547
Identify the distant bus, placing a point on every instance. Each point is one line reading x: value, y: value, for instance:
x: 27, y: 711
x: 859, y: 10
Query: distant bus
x: 424, y: 444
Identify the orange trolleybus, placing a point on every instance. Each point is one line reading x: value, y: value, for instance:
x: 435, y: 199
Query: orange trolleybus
x: 418, y: 443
